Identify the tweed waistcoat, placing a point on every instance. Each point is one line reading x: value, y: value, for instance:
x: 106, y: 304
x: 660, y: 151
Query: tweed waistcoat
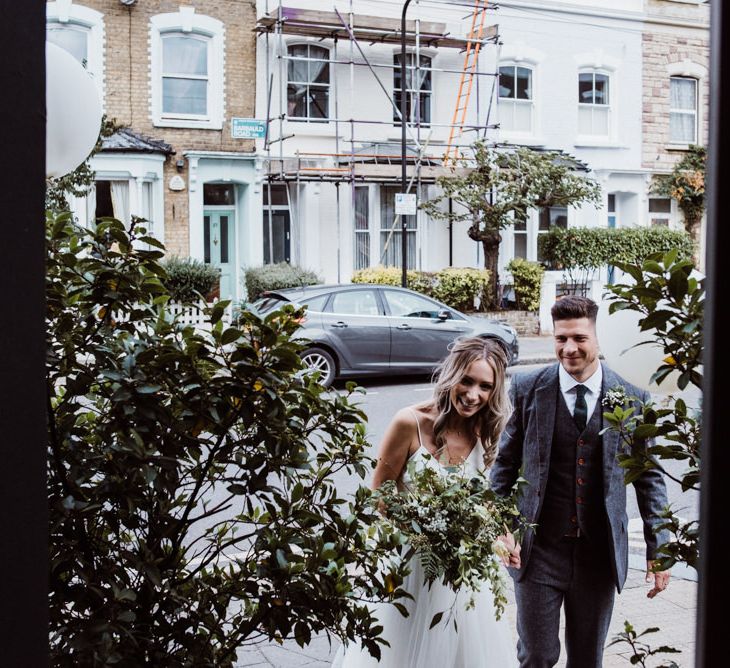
x: 574, y: 491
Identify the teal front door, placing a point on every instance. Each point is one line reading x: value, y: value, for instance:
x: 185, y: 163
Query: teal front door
x: 219, y: 231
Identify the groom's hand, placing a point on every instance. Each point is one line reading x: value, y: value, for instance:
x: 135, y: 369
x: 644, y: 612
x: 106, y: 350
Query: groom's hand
x: 514, y: 560
x: 661, y: 579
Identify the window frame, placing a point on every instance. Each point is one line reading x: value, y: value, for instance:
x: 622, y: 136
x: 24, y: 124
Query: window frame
x: 514, y: 101
x: 414, y: 95
x: 694, y: 112
x: 90, y: 21
x: 308, y: 118
x: 592, y: 106
x: 188, y: 23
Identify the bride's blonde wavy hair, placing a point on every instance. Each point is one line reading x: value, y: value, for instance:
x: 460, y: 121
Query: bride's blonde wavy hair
x: 489, y: 422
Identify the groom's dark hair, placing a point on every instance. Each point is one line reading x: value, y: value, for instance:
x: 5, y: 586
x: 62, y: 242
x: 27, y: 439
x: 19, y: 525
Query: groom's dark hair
x: 572, y: 307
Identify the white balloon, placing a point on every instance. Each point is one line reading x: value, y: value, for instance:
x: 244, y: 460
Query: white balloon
x: 618, y: 333
x: 73, y: 112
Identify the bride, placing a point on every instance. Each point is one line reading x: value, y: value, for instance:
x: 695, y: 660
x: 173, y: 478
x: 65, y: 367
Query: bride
x: 460, y: 426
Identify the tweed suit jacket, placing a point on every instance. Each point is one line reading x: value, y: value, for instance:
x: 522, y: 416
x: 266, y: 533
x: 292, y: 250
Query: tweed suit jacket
x: 524, y: 449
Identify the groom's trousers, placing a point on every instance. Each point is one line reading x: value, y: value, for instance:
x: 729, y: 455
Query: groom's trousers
x: 577, y: 574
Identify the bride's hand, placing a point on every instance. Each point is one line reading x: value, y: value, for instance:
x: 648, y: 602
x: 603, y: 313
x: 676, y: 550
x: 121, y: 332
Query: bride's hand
x: 512, y: 560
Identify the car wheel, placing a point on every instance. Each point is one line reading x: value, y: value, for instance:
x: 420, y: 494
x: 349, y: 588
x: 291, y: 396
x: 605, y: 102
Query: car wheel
x: 317, y: 359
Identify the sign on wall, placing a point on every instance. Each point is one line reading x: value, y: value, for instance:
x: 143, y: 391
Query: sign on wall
x: 405, y: 204
x: 248, y: 128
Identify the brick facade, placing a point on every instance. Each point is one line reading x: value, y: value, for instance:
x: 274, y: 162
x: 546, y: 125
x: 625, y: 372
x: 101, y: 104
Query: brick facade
x: 127, y: 52
x: 676, y: 40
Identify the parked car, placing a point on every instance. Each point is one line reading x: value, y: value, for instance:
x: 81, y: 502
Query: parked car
x: 362, y: 329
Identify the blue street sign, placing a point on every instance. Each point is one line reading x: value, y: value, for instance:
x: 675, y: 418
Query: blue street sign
x: 248, y: 128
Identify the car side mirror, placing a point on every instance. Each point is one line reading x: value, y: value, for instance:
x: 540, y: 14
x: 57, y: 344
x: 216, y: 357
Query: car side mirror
x: 443, y: 314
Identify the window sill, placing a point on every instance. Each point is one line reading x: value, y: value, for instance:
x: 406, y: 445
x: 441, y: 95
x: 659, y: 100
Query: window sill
x: 188, y: 123
x: 677, y: 147
x: 590, y: 142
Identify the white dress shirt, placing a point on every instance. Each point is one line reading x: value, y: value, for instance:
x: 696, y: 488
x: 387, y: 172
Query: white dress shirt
x: 593, y: 389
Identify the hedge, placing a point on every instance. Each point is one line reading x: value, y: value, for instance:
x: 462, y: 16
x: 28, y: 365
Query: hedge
x: 594, y: 247
x: 276, y: 277
x: 186, y: 277
x: 527, y: 280
x: 458, y: 287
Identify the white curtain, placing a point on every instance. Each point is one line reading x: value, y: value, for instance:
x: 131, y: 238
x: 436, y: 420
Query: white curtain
x: 120, y: 201
x: 683, y: 117
x: 91, y: 208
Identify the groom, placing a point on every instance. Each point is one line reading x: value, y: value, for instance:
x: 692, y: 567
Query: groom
x: 578, y: 553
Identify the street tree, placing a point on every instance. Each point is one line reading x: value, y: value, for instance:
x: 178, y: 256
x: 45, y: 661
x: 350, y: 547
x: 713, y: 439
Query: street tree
x: 499, y: 186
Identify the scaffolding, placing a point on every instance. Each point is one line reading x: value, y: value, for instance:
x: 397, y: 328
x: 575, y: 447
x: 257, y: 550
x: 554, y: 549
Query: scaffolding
x: 368, y: 160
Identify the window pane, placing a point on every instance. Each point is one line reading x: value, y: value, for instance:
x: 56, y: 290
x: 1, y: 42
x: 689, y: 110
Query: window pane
x: 683, y: 94
x: 318, y: 98
x: 506, y: 82
x: 585, y: 87
x: 218, y: 194
x: 521, y: 245
x: 554, y: 216
x: 611, y: 202
x: 682, y: 127
x: 206, y: 239
x: 224, y: 239
x: 355, y: 302
x: 601, y: 89
x: 524, y: 83
x: 585, y: 123
x: 184, y: 55
x: 523, y: 116
x: 361, y: 209
x: 404, y: 305
x: 72, y: 40
x: 660, y: 205
x: 184, y: 96
x: 278, y: 195
x: 600, y: 121
x: 297, y: 101
x: 315, y: 303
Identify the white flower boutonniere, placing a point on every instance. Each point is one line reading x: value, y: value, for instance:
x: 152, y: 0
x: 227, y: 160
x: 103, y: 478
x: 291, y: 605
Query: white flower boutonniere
x: 616, y: 397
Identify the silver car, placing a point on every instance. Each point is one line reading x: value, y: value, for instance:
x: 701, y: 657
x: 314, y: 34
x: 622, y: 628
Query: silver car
x: 363, y: 329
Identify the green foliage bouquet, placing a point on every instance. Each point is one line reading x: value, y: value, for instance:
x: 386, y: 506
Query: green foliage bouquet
x: 452, y: 522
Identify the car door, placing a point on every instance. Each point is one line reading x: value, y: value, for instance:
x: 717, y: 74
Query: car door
x: 355, y: 322
x: 419, y: 338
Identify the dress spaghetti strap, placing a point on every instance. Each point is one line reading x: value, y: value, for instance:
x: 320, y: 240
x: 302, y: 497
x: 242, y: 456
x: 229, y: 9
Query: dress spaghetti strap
x: 418, y: 426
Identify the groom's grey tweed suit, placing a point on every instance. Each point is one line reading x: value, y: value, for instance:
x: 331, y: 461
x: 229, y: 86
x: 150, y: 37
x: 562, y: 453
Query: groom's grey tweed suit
x: 574, y: 482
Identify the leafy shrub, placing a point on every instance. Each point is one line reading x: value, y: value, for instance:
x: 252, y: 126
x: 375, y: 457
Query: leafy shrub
x: 192, y: 504
x: 527, y: 277
x: 420, y: 281
x: 459, y: 287
x: 594, y: 247
x: 277, y: 277
x: 186, y: 277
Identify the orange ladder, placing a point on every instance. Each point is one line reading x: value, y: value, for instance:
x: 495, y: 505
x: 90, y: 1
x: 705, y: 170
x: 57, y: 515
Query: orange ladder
x: 471, y: 59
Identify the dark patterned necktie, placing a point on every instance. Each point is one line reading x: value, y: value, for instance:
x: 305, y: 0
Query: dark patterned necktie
x: 580, y: 414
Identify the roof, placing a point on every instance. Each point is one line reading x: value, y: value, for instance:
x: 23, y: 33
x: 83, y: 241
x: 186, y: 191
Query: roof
x: 125, y: 140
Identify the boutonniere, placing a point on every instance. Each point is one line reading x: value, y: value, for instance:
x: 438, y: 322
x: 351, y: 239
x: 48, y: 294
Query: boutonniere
x: 616, y: 397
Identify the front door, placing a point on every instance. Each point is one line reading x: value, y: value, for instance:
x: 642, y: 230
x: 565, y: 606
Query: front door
x: 219, y: 232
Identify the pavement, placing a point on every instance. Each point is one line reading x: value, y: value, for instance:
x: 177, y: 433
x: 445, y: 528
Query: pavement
x: 673, y: 611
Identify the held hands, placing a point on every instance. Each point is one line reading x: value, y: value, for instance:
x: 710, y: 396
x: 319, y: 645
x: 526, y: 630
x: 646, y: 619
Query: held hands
x: 661, y: 579
x: 510, y: 555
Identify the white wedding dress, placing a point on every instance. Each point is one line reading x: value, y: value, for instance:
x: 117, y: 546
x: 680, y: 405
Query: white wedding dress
x: 480, y: 641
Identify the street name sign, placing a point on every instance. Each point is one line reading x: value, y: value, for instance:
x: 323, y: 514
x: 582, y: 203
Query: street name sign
x: 248, y: 128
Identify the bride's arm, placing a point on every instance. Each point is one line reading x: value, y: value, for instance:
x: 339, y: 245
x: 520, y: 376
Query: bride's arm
x: 394, y: 448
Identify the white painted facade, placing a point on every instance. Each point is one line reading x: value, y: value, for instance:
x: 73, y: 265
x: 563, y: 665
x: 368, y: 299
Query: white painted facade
x: 557, y: 41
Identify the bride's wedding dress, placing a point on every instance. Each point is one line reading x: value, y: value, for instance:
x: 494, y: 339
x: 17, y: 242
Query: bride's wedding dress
x: 478, y: 641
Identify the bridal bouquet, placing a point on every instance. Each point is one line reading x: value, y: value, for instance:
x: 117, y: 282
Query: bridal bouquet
x: 452, y: 522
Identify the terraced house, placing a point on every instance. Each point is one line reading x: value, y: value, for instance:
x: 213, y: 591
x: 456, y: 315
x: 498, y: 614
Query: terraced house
x: 270, y: 131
